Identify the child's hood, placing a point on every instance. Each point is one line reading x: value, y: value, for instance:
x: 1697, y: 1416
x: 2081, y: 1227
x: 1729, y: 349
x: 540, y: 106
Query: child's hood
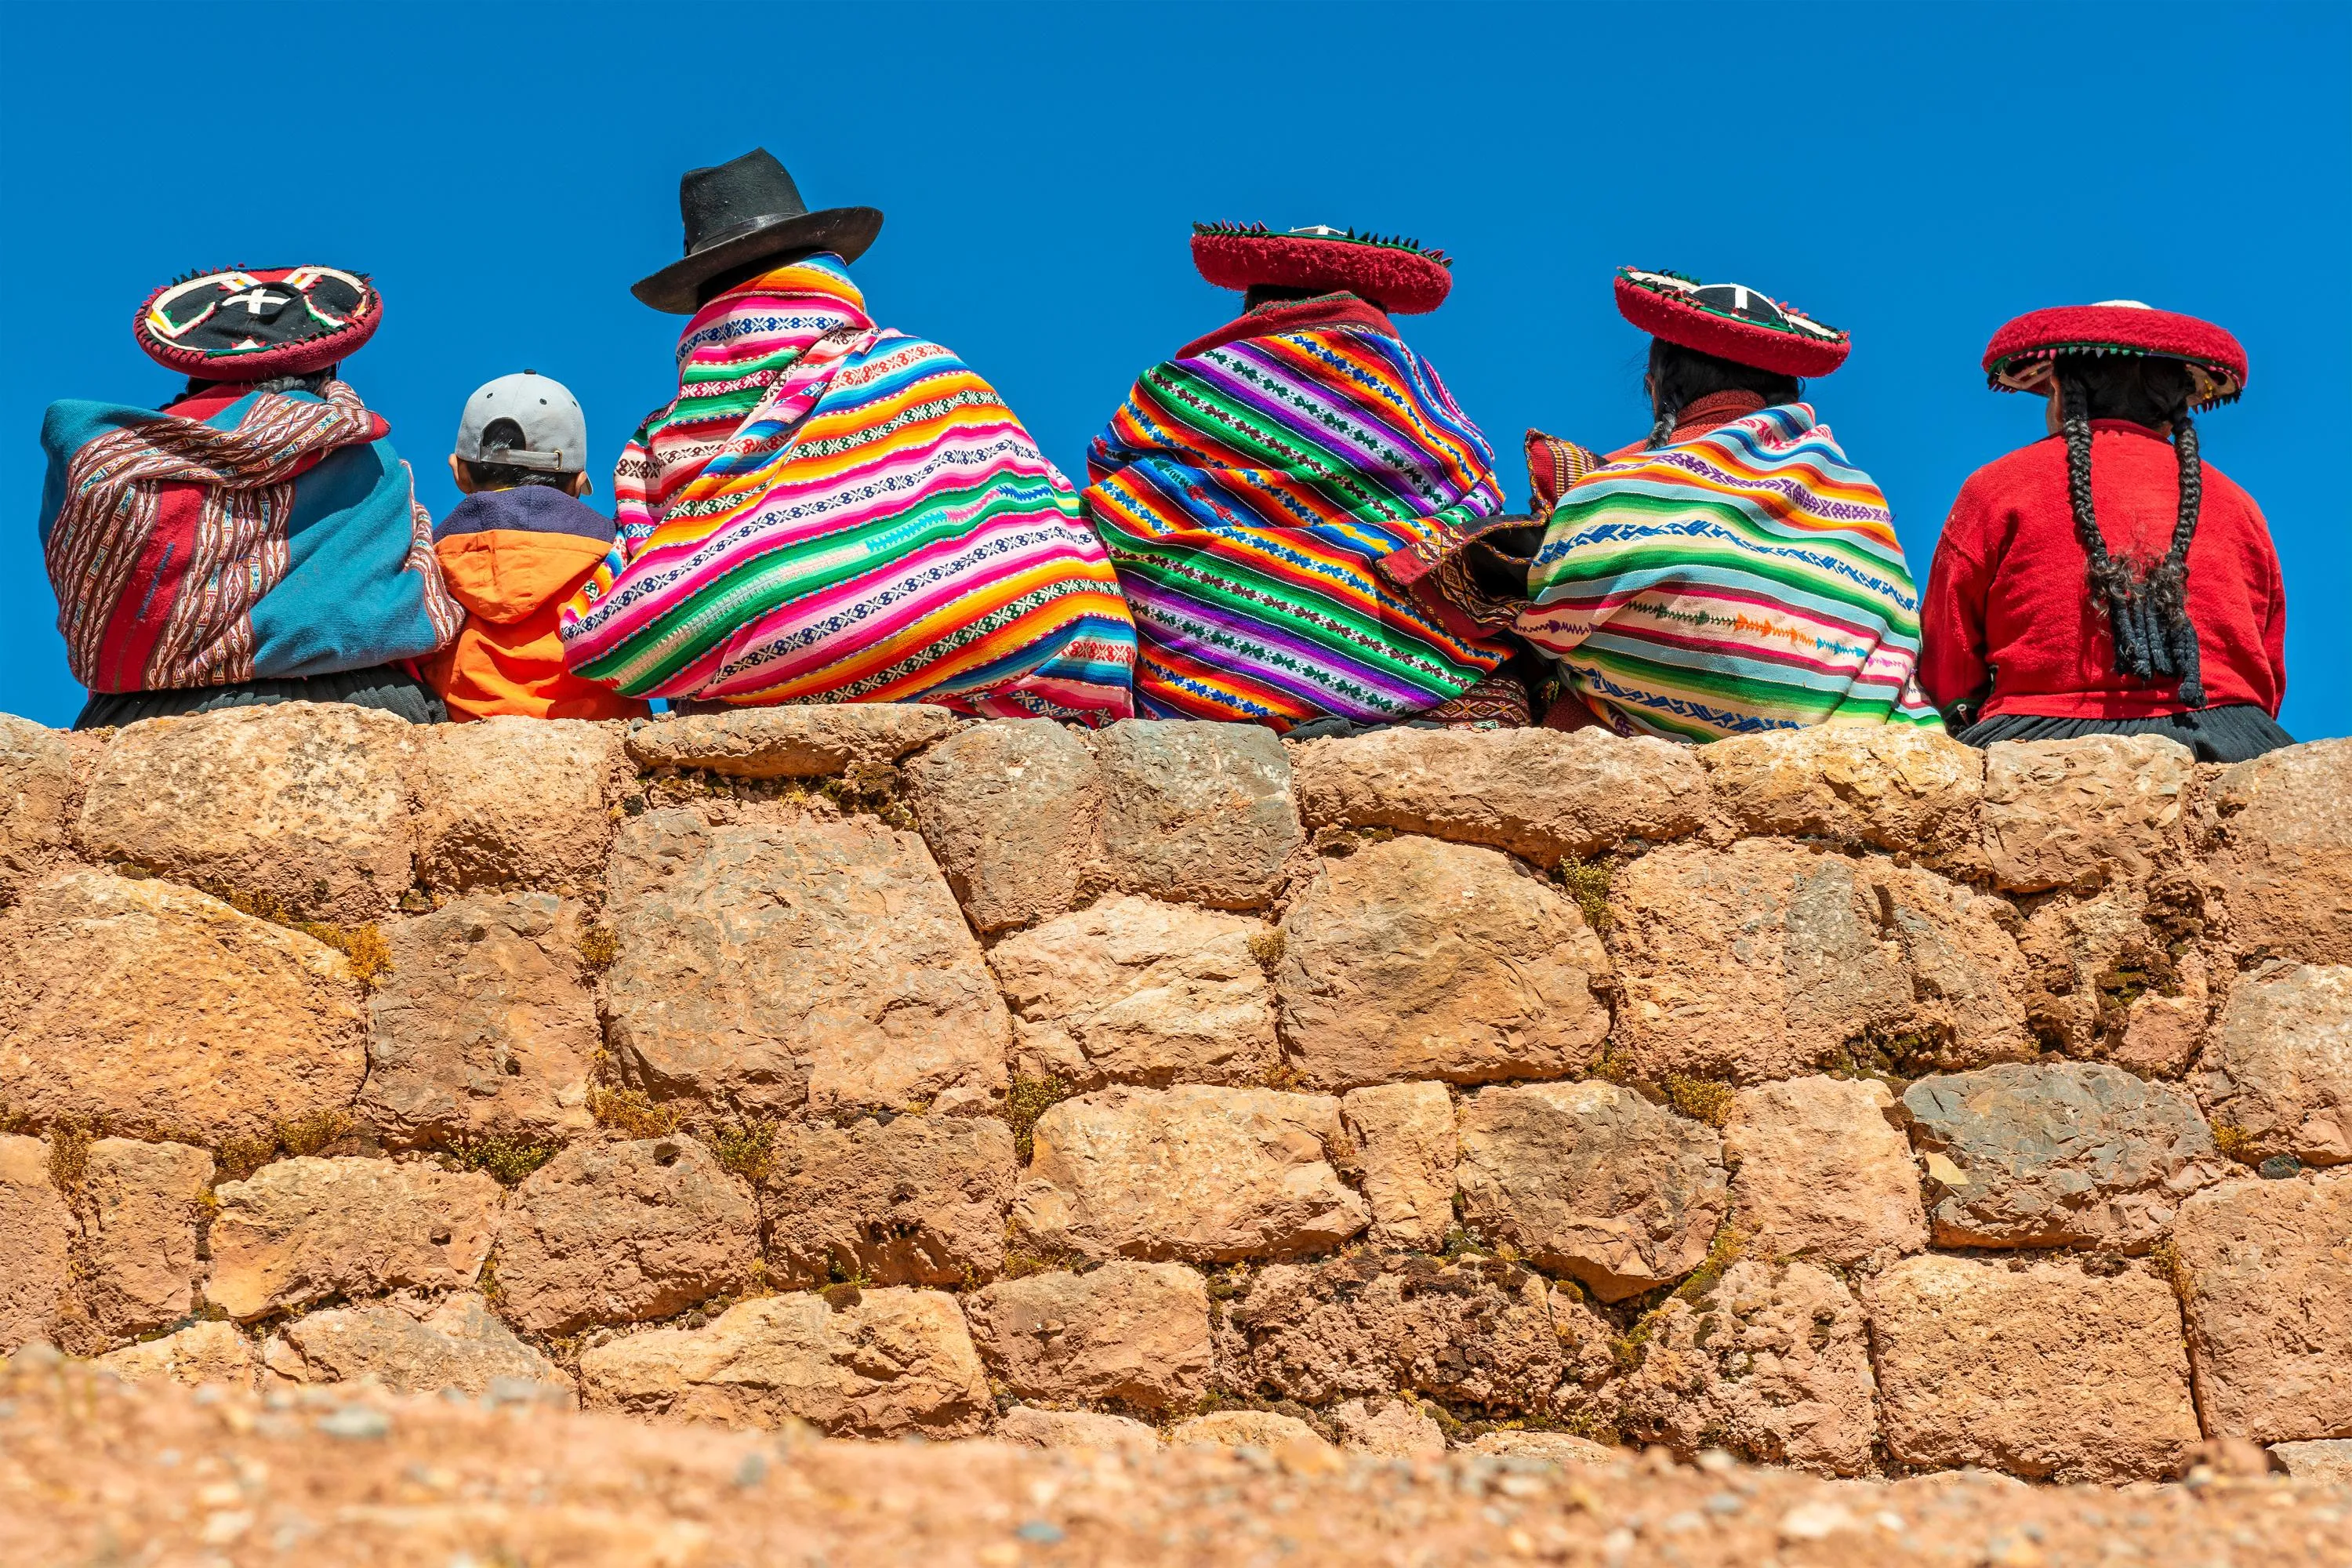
x: 507, y: 553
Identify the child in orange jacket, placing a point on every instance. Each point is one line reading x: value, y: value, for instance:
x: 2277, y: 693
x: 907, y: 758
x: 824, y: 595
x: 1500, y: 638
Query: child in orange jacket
x: 515, y: 549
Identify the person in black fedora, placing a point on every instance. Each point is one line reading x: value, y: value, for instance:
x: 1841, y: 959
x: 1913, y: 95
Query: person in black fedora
x: 882, y: 529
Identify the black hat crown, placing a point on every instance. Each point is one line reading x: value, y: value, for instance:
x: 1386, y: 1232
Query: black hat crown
x: 733, y: 198
x: 744, y: 211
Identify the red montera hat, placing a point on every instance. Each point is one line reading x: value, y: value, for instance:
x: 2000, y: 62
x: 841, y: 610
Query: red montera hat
x: 2019, y: 357
x: 251, y: 325
x: 1397, y: 274
x: 1729, y: 321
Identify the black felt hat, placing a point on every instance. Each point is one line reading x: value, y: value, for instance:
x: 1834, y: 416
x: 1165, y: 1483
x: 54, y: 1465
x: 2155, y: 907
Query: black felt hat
x: 740, y: 211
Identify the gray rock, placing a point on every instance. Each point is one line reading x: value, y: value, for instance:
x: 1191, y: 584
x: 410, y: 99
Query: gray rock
x: 1196, y: 812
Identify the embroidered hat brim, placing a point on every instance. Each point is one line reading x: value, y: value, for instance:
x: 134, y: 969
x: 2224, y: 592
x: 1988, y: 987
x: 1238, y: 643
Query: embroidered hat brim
x: 1731, y: 321
x: 1397, y: 274
x: 254, y: 324
x: 2021, y: 354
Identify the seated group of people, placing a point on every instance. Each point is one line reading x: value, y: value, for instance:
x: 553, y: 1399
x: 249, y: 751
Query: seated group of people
x: 1290, y: 522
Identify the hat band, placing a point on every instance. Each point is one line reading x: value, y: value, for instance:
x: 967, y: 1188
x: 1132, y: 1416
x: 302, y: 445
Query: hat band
x: 738, y: 230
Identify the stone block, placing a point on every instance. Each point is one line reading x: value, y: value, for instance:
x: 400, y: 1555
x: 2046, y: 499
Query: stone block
x: 823, y: 964
x: 853, y: 1363
x: 1592, y: 1179
x: 2082, y: 951
x: 1419, y: 959
x: 483, y: 1025
x: 2082, y: 814
x: 1012, y: 811
x: 1397, y: 1430
x: 36, y: 1232
x: 1195, y: 812
x: 1033, y: 1426
x: 1405, y: 1144
x: 2062, y: 1154
x: 2046, y: 1371
x: 1887, y: 786
x: 200, y: 1354
x: 1562, y: 1448
x: 1821, y: 1170
x: 1130, y: 1333
x: 810, y: 742
x: 2327, y: 1460
x: 140, y: 1208
x: 302, y: 803
x: 2285, y: 865
x: 37, y: 786
x: 1134, y: 991
x: 1969, y: 980
x: 1539, y: 794
x: 1772, y: 1363
x: 513, y: 802
x: 919, y: 1200
x: 1191, y: 1175
x: 618, y: 1233
x: 304, y: 1229
x: 410, y: 1346
x: 146, y: 1007
x: 2269, y: 1270
x: 2279, y: 1069
x: 1246, y: 1429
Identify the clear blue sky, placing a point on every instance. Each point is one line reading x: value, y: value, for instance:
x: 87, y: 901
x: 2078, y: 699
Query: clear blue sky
x: 1914, y: 172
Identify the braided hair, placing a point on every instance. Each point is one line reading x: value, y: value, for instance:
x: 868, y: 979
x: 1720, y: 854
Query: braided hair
x: 1680, y: 377
x: 2148, y: 615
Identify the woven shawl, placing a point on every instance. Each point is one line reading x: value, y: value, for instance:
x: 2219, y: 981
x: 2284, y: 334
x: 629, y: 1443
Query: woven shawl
x: 1248, y: 494
x: 143, y: 615
x: 1744, y: 580
x: 833, y: 512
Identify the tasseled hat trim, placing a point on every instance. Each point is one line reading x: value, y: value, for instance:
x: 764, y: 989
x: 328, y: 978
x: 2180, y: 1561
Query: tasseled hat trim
x: 1731, y: 321
x: 2021, y: 356
x: 1390, y: 271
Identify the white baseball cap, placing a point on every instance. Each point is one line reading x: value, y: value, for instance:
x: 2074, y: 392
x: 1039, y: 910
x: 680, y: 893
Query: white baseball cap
x: 554, y: 431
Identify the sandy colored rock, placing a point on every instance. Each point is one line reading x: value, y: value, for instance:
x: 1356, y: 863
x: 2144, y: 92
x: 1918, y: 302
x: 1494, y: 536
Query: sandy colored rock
x: 147, y: 1007
x: 2082, y: 951
x: 2279, y: 1069
x: 2161, y: 1035
x: 769, y: 968
x: 1191, y: 1174
x: 2044, y: 1370
x: 1033, y: 1426
x: 1969, y: 980
x: 919, y: 1201
x: 199, y: 1353
x: 1134, y: 991
x: 36, y: 1231
x: 616, y: 1233
x: 139, y: 1212
x: 1552, y: 1448
x: 305, y: 803
x: 1888, y: 786
x: 1773, y: 1362
x: 2079, y: 814
x: 1593, y: 1181
x: 802, y: 742
x: 1129, y: 1334
x: 2285, y: 865
x: 513, y: 802
x: 1405, y: 1147
x: 1821, y: 1170
x: 880, y: 1364
x: 35, y: 794
x: 2269, y: 1266
x: 2327, y: 1461
x: 2057, y: 1155
x: 1195, y: 812
x: 1419, y: 959
x: 1477, y: 1332
x: 1246, y: 1429
x: 1539, y: 794
x: 484, y: 1025
x: 1397, y: 1430
x: 410, y: 1347
x: 301, y: 1230
x: 1014, y: 815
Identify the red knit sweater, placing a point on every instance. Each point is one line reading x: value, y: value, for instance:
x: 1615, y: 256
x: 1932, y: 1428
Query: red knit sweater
x: 2008, y: 602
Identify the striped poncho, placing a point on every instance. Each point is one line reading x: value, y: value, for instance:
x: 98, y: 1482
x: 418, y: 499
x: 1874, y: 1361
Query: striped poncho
x: 833, y: 512
x: 1744, y: 580
x: 1248, y: 493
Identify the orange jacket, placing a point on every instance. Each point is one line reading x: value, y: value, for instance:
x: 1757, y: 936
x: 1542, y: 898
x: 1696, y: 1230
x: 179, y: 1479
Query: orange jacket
x: 512, y: 558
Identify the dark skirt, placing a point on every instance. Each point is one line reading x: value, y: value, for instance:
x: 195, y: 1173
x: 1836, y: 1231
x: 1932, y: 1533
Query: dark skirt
x: 2229, y: 735
x: 385, y: 687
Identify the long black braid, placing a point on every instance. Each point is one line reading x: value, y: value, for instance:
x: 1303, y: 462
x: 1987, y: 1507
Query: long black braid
x: 2148, y: 617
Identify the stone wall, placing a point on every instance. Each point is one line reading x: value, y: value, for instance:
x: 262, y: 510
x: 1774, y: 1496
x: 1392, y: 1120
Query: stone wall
x: 1851, y: 1100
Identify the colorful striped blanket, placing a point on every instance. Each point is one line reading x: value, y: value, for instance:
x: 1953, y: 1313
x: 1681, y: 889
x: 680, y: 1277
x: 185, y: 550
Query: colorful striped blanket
x: 833, y: 512
x: 1744, y: 580
x: 1248, y: 494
